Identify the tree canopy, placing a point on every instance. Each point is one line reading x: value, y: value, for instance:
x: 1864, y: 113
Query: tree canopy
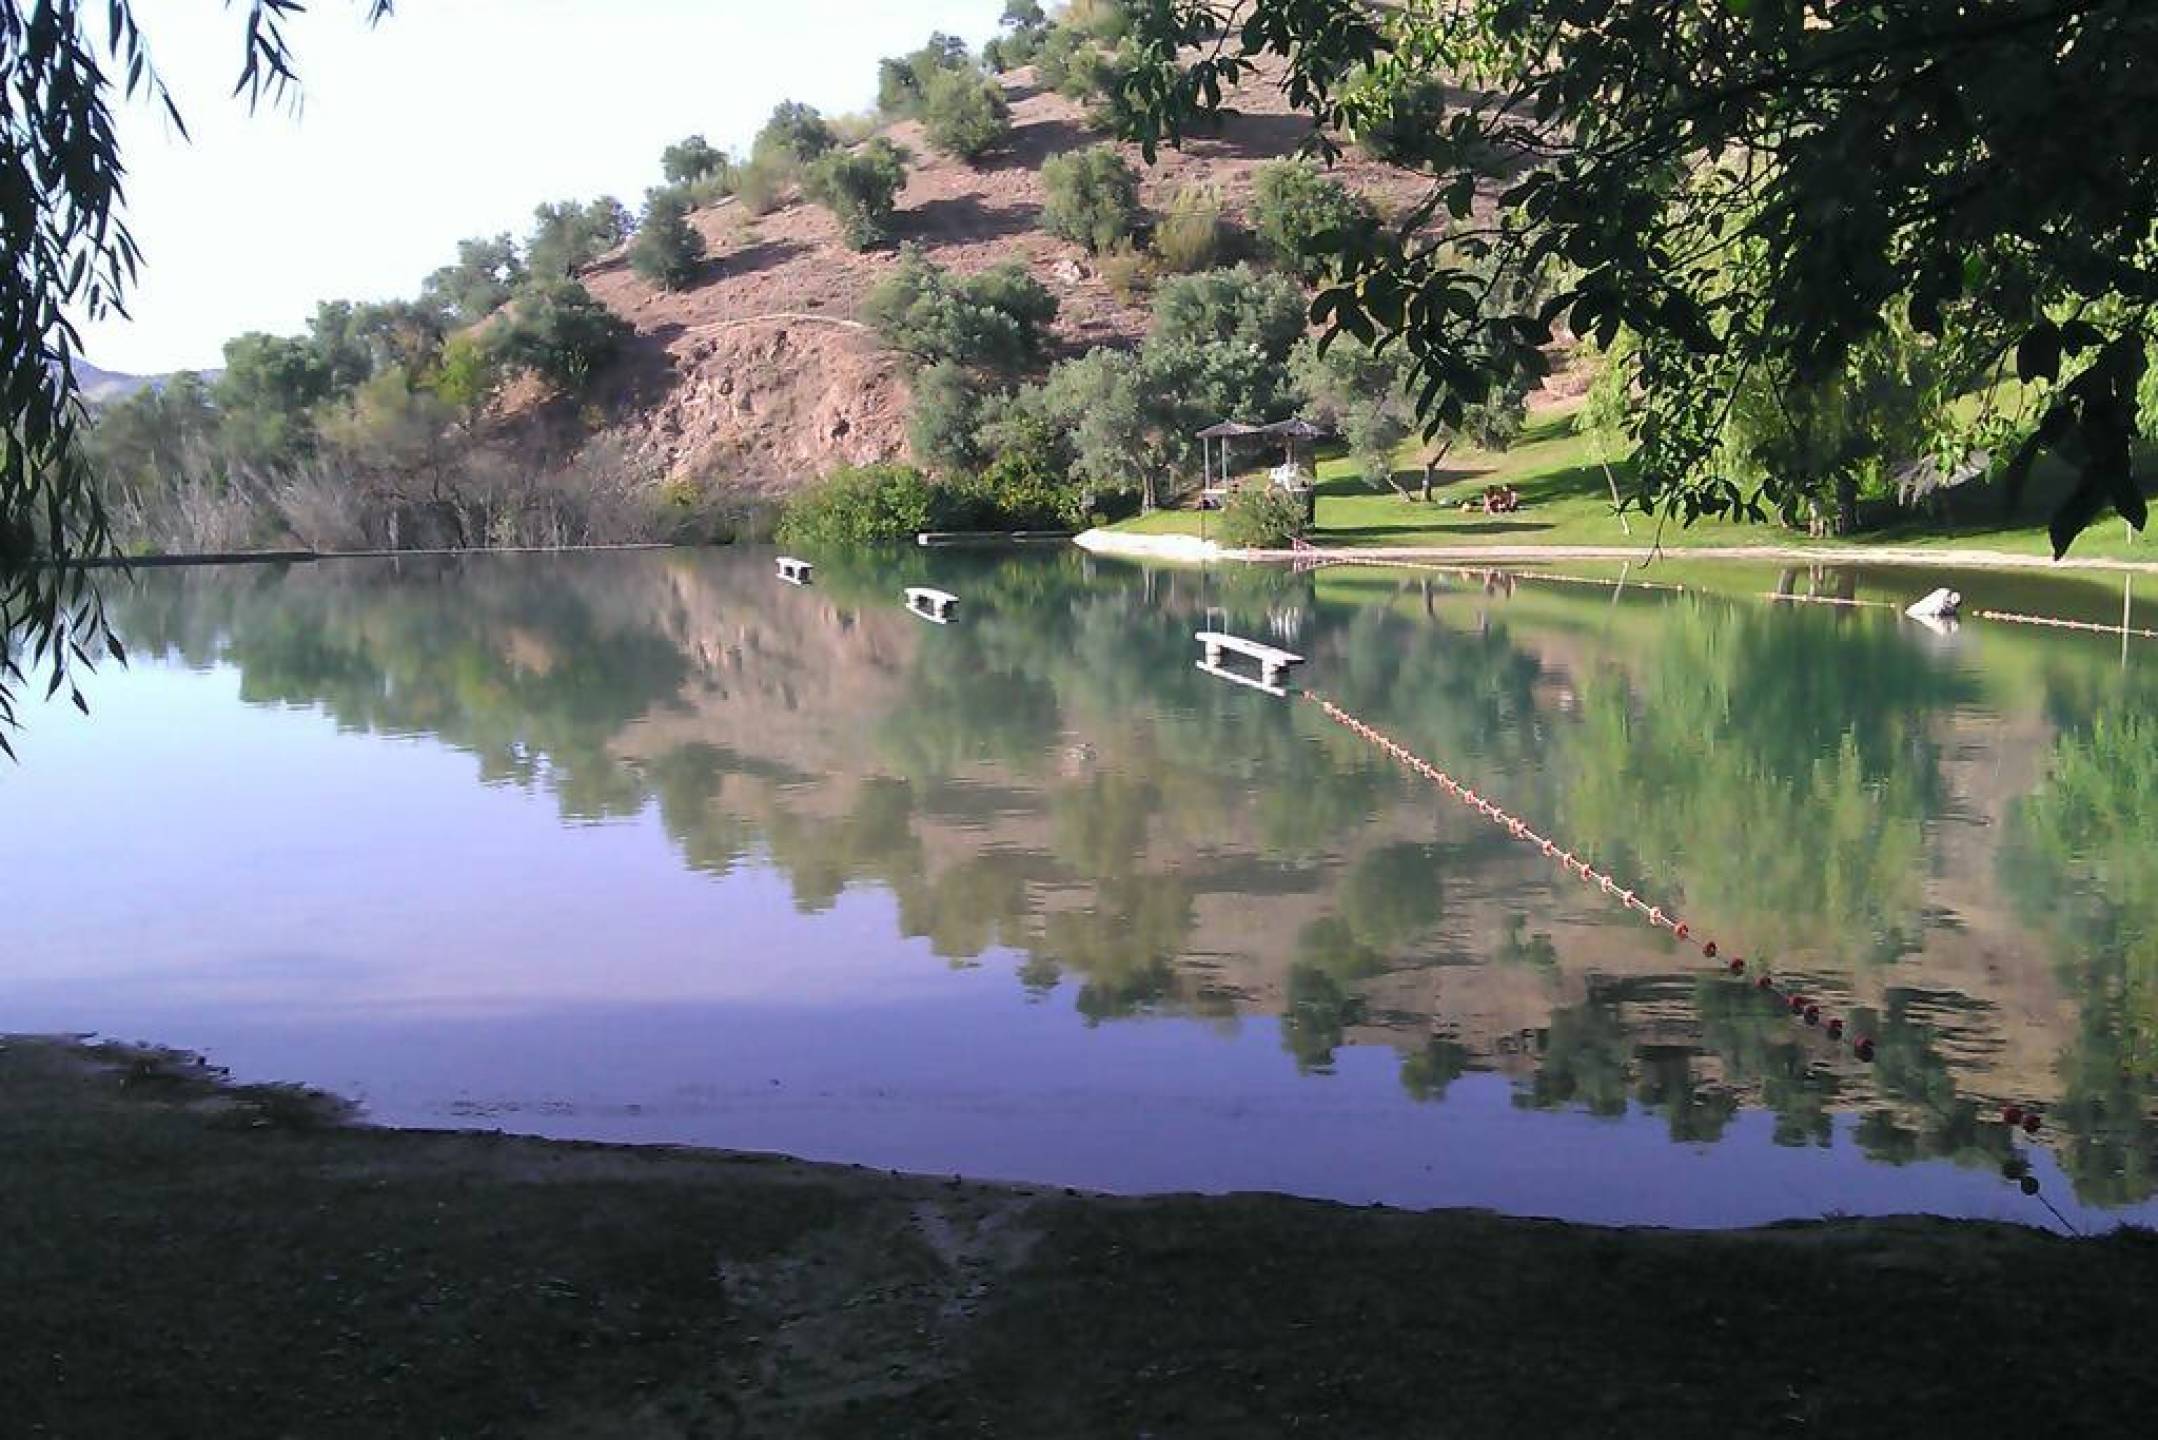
x: 1756, y: 189
x: 69, y: 248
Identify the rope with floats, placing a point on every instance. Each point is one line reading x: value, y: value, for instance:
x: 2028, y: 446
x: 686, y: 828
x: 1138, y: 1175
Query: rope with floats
x: 1801, y: 1007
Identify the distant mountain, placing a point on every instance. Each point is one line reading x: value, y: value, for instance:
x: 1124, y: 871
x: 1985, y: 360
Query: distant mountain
x: 102, y: 386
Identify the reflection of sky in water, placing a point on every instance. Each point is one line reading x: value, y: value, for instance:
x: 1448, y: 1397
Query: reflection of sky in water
x: 355, y: 911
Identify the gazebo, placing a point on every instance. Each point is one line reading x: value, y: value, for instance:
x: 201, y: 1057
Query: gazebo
x: 1214, y: 489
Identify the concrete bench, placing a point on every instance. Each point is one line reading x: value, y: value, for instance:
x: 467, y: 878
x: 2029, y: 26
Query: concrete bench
x: 936, y: 605
x: 1274, y: 663
x: 793, y: 571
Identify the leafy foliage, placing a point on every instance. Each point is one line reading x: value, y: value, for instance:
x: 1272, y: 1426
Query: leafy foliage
x: 1751, y: 187
x: 904, y: 82
x: 1191, y: 235
x: 567, y: 236
x: 692, y: 159
x: 1092, y: 197
x: 856, y: 506
x: 560, y: 333
x: 995, y: 321
x: 1263, y: 517
x: 965, y: 115
x: 668, y: 247
x: 943, y: 420
x: 794, y: 135
x: 1303, y: 216
x: 487, y: 272
x: 860, y: 187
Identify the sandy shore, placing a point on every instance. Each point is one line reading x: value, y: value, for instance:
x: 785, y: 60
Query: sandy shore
x: 181, y: 1257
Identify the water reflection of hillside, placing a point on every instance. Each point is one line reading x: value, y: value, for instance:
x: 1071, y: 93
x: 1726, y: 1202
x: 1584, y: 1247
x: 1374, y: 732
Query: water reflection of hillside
x: 1948, y: 849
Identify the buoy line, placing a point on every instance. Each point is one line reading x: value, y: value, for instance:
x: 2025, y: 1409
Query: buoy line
x: 1802, y: 1008
x: 2092, y: 627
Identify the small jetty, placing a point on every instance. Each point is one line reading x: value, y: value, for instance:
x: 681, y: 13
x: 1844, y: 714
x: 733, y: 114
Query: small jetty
x: 1274, y: 663
x: 937, y: 606
x: 795, y: 572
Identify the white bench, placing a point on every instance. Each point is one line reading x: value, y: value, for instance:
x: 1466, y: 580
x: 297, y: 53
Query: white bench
x: 935, y: 605
x: 1274, y: 663
x: 793, y: 571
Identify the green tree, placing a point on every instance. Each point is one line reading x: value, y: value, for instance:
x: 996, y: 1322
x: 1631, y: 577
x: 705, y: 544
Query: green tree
x: 795, y: 135
x: 667, y: 248
x: 1238, y: 307
x: 269, y: 385
x: 1363, y: 395
x: 567, y: 236
x: 904, y: 82
x: 488, y: 271
x: 1092, y: 197
x: 1758, y: 188
x: 692, y: 159
x: 1304, y: 217
x: 557, y: 331
x: 996, y: 321
x: 69, y: 249
x: 965, y: 115
x: 467, y: 376
x: 860, y: 187
x: 857, y: 506
x: 944, y: 419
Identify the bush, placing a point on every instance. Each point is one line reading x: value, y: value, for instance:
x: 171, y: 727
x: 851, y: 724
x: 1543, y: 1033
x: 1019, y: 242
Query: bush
x: 795, y: 135
x: 993, y: 321
x: 1399, y: 122
x: 1053, y: 59
x: 1128, y: 272
x: 559, y: 332
x: 1098, y: 19
x: 1262, y: 517
x: 1093, y: 197
x: 904, y: 82
x: 1240, y: 307
x: 667, y: 247
x: 1303, y: 216
x: 1191, y: 235
x: 860, y: 505
x: 860, y: 188
x: 966, y: 115
x: 568, y: 236
x: 759, y: 185
x: 943, y: 420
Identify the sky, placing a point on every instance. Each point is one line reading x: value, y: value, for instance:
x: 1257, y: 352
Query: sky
x: 453, y: 118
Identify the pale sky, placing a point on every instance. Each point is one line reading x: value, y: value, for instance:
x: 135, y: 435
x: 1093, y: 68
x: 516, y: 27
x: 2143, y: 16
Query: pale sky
x: 452, y: 118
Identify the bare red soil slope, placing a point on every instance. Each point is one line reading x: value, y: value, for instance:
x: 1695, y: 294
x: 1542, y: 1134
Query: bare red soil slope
x: 760, y: 375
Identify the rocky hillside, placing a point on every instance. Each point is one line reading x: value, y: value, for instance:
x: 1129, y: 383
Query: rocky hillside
x: 760, y: 374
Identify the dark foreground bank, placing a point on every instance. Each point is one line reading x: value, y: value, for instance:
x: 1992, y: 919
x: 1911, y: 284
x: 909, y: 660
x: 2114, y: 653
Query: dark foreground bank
x: 180, y: 1258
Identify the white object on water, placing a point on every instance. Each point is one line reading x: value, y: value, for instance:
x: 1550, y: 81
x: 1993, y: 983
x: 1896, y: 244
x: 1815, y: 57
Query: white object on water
x: 1273, y: 663
x: 936, y: 605
x: 793, y: 571
x: 1942, y: 604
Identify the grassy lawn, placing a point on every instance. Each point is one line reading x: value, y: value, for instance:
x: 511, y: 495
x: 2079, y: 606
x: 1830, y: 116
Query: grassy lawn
x: 1565, y: 500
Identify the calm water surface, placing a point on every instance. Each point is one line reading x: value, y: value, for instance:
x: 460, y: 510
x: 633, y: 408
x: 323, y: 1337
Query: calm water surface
x: 649, y: 847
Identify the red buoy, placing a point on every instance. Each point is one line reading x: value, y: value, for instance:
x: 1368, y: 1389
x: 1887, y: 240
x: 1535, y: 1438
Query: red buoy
x: 1682, y: 930
x: 1764, y: 983
x: 1709, y: 949
x: 1798, y: 1004
x: 1813, y: 1014
x: 1835, y: 1029
x: 1865, y: 1047
x: 2013, y: 1115
x: 1738, y: 966
x: 2030, y: 1124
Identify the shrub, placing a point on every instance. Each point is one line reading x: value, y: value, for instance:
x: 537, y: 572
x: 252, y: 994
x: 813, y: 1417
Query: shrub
x: 1398, y: 122
x: 1098, y: 19
x: 860, y: 505
x: 1191, y: 235
x: 466, y: 375
x: 1262, y: 517
x: 943, y: 420
x: 1303, y: 215
x: 568, y: 236
x: 1053, y: 60
x: 860, y: 188
x: 795, y: 135
x: 667, y: 247
x: 760, y: 184
x: 1127, y: 271
x: 992, y: 321
x: 966, y: 115
x: 903, y: 82
x: 559, y: 332
x: 1240, y: 307
x: 1093, y: 197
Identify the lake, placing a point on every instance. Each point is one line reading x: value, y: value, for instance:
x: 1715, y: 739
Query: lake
x: 650, y: 847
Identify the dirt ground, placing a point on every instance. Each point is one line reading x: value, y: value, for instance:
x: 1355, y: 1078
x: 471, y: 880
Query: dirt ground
x: 182, y: 1258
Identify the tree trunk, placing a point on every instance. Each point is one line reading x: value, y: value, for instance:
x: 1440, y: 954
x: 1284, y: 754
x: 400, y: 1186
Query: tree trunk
x: 1846, y: 503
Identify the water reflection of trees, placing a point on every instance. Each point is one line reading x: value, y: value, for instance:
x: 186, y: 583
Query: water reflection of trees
x: 1779, y: 766
x: 2082, y: 867
x: 1775, y: 767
